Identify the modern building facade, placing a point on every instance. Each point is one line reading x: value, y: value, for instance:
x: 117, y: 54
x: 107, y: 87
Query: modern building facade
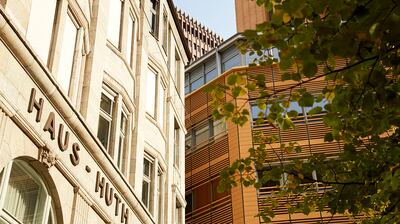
x: 91, y: 112
x: 199, y: 38
x: 248, y: 14
x: 211, y: 145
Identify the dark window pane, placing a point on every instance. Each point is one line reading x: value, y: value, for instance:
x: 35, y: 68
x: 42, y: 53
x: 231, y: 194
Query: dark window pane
x: 106, y: 104
x: 104, y: 131
x: 146, y: 193
x: 189, y: 203
x: 202, y: 196
x: 146, y: 168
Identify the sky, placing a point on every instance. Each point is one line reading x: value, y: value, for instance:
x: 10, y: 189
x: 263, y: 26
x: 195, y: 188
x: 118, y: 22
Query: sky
x: 218, y: 15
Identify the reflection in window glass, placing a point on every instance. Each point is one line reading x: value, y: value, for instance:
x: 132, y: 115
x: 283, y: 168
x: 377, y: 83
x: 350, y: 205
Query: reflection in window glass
x: 211, y: 75
x: 105, y: 119
x: 103, y: 132
x: 67, y: 54
x: 202, y: 133
x: 197, y: 84
x: 188, y: 141
x: 106, y: 104
x: 230, y: 63
x: 154, y: 17
x: 114, y: 22
x: 121, y: 144
x: 151, y: 92
x: 40, y: 27
x: 147, y: 169
x: 219, y: 127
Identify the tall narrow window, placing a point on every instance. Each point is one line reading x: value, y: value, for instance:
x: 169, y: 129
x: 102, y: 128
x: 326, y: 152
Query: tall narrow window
x: 159, y: 196
x: 114, y: 22
x: 65, y: 65
x: 120, y: 154
x: 165, y: 31
x: 151, y: 83
x: 161, y: 105
x: 130, y: 39
x: 146, y: 186
x: 176, y: 144
x: 40, y: 27
x: 154, y: 17
x: 177, y: 71
x: 105, y: 120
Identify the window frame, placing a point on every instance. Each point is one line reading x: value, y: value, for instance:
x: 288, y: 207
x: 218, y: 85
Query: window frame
x: 121, y: 15
x: 118, y: 153
x: 48, y: 210
x: 154, y: 20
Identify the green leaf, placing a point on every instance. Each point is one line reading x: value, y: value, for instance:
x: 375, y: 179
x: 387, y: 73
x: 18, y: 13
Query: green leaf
x: 306, y: 100
x: 328, y: 137
x: 315, y: 110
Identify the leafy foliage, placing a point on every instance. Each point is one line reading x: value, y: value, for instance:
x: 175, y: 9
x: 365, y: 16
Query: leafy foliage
x: 363, y: 109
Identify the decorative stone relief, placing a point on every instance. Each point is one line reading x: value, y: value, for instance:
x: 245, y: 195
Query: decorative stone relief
x: 47, y: 157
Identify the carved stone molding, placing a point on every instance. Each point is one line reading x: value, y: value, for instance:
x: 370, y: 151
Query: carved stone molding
x: 47, y: 157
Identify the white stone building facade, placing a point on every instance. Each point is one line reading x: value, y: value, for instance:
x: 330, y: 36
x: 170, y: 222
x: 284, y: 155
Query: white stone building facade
x: 91, y: 112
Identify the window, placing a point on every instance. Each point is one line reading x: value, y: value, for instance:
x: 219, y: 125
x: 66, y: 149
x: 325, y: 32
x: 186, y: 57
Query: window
x: 189, y: 203
x: 154, y: 17
x: 152, y: 187
x: 178, y: 212
x: 161, y: 106
x: 203, y: 132
x: 159, y: 198
x: 230, y: 58
x: 219, y: 127
x: 113, y: 128
x: 196, y: 78
x: 146, y: 186
x: 177, y: 132
x: 105, y: 119
x: 114, y: 22
x: 165, y: 31
x: 25, y: 196
x: 210, y: 70
x: 40, y: 27
x: 177, y: 71
x: 151, y: 84
x: 120, y: 152
x: 130, y: 39
x: 65, y: 67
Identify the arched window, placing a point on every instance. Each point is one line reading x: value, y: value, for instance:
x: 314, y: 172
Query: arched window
x: 24, y: 198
